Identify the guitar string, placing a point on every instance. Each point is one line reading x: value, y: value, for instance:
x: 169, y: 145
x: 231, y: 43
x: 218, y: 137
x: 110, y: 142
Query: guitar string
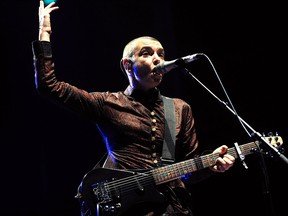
x: 142, y: 179
x: 126, y: 185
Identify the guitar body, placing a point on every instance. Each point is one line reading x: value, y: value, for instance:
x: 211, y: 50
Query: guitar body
x: 110, y: 192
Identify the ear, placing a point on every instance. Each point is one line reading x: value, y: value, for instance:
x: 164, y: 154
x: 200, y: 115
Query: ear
x: 127, y: 64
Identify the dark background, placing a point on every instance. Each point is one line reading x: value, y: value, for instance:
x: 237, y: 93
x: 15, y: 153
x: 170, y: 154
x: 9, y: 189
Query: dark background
x: 46, y: 150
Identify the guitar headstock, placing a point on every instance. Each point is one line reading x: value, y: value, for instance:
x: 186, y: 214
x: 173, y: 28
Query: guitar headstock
x: 276, y: 141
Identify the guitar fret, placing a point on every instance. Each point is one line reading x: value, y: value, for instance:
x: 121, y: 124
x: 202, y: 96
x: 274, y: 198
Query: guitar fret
x: 160, y: 174
x: 209, y: 160
x: 178, y: 169
x: 192, y: 166
x: 182, y: 169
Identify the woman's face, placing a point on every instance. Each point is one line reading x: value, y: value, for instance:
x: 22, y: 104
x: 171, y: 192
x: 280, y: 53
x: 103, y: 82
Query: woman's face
x: 147, y: 54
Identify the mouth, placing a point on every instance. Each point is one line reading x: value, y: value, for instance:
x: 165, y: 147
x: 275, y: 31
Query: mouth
x: 154, y: 72
x: 156, y: 76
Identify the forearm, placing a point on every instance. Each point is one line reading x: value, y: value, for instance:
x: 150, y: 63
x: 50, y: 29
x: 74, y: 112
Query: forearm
x: 44, y: 35
x: 45, y: 79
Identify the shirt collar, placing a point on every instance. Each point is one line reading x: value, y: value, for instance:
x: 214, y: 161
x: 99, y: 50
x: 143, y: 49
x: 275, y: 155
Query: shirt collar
x: 150, y: 96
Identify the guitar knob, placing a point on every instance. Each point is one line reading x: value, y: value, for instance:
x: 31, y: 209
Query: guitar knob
x: 106, y: 208
x: 112, y: 208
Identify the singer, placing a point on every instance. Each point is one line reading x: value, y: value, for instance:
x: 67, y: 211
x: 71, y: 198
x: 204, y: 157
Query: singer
x: 132, y: 122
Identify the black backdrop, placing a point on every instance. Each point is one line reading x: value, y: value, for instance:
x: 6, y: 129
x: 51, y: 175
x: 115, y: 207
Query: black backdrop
x: 47, y: 150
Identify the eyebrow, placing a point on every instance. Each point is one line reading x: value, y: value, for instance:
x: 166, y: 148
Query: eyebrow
x: 148, y: 46
x: 161, y: 49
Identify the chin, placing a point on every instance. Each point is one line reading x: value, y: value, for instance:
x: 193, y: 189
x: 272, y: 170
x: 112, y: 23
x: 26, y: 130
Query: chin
x: 157, y: 81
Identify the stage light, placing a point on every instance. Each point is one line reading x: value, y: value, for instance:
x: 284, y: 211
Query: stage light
x: 46, y: 2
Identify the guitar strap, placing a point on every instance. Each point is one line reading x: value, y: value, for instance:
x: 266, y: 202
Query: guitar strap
x: 101, y: 161
x: 168, y: 150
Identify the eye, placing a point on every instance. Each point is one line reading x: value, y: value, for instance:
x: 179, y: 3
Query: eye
x: 145, y: 53
x: 161, y: 55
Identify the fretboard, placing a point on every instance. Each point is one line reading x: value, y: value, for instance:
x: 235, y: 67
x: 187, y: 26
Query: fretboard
x: 173, y: 171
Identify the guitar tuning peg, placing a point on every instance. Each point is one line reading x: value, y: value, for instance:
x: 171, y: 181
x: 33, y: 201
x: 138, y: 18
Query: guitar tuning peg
x: 270, y: 134
x: 281, y: 149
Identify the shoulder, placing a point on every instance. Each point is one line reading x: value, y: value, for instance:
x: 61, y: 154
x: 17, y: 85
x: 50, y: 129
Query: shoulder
x: 181, y: 102
x: 109, y: 96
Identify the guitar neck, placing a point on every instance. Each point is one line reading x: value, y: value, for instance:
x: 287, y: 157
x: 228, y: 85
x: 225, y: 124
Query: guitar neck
x: 174, y: 171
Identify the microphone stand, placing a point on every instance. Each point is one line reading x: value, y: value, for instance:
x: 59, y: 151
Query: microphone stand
x: 274, y: 150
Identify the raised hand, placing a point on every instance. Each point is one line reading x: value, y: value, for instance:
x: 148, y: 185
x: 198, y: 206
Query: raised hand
x: 44, y: 20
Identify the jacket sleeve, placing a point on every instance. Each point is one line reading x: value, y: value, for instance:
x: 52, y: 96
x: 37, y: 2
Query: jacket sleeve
x: 89, y: 105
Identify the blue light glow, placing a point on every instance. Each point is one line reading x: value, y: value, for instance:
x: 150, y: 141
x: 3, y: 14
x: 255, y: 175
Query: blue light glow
x: 46, y: 2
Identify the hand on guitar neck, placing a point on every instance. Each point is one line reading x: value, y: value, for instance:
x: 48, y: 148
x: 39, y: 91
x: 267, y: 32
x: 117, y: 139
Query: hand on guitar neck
x: 224, y: 161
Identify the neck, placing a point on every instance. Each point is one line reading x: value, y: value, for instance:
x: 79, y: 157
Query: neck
x: 141, y: 88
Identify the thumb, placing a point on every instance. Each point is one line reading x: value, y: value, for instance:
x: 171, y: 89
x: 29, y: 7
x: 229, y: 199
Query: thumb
x: 223, y: 149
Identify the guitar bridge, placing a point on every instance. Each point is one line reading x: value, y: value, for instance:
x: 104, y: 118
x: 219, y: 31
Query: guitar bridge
x: 106, y: 205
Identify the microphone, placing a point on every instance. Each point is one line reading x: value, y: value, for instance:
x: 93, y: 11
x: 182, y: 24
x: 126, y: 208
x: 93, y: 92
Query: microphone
x: 167, y: 66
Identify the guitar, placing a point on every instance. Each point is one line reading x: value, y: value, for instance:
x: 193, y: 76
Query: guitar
x: 112, y: 192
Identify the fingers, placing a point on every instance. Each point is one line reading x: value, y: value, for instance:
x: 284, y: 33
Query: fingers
x: 45, y: 11
x: 49, y: 8
x: 224, y: 161
x: 50, y: 5
x: 223, y: 149
x: 40, y: 13
x: 41, y: 7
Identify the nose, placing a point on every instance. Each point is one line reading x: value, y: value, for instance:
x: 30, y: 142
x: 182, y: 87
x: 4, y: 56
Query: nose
x: 156, y: 59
